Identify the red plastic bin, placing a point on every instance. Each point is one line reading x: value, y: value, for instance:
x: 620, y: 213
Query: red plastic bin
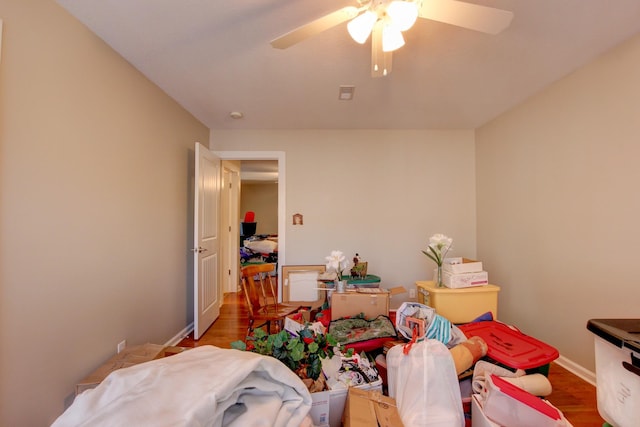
x: 510, y: 347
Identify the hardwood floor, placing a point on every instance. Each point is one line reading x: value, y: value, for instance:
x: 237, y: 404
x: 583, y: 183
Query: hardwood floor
x: 575, y: 397
x: 230, y: 326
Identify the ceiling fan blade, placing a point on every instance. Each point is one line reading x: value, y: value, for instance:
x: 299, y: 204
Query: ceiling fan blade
x: 381, y: 61
x: 467, y: 15
x: 315, y: 27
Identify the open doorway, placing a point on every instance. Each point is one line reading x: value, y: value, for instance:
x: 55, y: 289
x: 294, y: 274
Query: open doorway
x: 260, y: 166
x: 258, y: 211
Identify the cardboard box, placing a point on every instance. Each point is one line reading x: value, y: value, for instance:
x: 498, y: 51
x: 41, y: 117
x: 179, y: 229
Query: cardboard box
x: 372, y: 302
x: 461, y: 265
x: 366, y: 408
x: 128, y: 357
x: 170, y: 351
x: 328, y: 407
x: 397, y: 295
x: 465, y: 280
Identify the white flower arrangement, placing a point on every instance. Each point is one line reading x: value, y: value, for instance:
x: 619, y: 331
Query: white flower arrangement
x: 439, y: 245
x: 337, y: 262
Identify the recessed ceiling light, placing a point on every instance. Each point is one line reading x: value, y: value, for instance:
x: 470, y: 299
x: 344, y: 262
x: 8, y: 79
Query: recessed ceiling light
x: 346, y: 93
x: 236, y: 115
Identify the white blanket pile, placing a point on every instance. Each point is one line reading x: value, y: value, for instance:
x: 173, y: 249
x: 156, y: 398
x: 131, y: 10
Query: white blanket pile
x: 264, y: 246
x: 204, y: 386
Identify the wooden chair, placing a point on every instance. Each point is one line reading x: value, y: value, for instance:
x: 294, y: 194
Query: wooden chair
x: 259, y: 307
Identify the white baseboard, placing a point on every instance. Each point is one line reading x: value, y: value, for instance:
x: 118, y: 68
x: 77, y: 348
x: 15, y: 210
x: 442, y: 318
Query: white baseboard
x: 577, y: 370
x: 180, y: 335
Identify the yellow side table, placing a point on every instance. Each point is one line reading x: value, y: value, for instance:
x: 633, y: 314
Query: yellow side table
x: 460, y: 305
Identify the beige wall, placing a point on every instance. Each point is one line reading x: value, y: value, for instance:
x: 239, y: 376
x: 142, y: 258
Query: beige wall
x: 94, y: 219
x: 380, y: 193
x: 261, y: 198
x: 558, y: 204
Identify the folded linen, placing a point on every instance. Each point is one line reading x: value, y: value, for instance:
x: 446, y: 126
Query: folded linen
x: 204, y: 386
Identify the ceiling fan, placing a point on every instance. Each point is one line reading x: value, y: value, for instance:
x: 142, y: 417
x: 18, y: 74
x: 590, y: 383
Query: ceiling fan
x: 385, y: 20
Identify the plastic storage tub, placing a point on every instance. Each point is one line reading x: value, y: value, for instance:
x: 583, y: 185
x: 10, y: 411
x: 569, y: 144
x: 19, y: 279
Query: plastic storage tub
x: 509, y: 405
x: 511, y: 348
x: 478, y: 417
x: 369, y: 281
x: 459, y: 305
x: 617, y: 348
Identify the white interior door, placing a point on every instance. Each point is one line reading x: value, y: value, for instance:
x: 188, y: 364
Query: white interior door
x: 206, y: 276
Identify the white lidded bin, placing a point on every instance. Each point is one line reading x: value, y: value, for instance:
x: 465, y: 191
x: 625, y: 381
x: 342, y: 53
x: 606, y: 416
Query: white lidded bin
x: 509, y: 405
x: 478, y: 417
x: 617, y: 350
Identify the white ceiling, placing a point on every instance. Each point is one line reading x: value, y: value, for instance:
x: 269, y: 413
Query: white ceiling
x: 214, y: 57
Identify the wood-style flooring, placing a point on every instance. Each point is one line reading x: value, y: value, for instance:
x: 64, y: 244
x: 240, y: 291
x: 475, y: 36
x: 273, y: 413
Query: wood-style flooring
x: 575, y: 397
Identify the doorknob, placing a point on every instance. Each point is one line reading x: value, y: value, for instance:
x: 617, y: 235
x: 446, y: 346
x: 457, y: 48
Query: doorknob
x: 199, y: 249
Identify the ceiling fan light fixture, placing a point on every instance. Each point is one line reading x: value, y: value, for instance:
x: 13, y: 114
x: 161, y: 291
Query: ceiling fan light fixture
x: 391, y: 38
x: 381, y: 62
x: 360, y: 27
x: 402, y: 14
x: 385, y: 20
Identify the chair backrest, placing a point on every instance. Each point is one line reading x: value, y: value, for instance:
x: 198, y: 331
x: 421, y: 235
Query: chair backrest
x: 249, y: 274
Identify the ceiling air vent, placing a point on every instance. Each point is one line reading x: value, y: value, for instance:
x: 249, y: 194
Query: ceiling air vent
x: 346, y: 93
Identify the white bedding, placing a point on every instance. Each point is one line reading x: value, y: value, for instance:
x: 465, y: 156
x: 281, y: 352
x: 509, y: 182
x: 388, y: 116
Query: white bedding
x: 204, y: 386
x: 265, y: 246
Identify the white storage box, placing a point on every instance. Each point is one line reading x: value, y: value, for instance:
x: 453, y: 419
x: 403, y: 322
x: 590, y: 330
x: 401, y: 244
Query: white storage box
x: 478, y: 417
x: 465, y: 280
x: 509, y: 405
x: 617, y: 370
x: 461, y: 265
x: 328, y: 406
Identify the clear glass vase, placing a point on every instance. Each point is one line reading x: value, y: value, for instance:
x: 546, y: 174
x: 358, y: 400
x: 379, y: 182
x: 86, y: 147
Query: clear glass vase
x: 438, y: 278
